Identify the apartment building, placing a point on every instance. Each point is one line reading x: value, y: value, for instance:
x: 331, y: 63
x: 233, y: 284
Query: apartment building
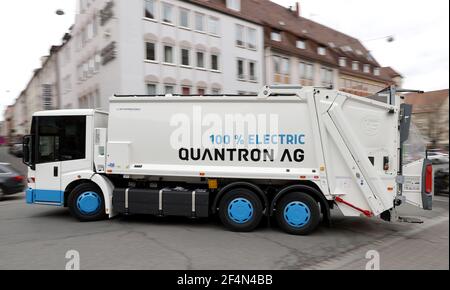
x: 189, y: 47
x: 158, y: 47
x: 301, y: 51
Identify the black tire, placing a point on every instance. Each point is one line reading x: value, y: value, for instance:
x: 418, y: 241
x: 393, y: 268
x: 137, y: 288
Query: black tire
x: 308, y: 222
x: 241, y: 195
x: 81, y: 189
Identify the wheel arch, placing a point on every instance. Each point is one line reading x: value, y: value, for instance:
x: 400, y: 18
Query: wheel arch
x: 239, y: 184
x: 310, y: 190
x: 102, y: 183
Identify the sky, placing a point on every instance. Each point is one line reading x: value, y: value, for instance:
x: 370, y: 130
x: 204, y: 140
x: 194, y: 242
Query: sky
x: 420, y: 51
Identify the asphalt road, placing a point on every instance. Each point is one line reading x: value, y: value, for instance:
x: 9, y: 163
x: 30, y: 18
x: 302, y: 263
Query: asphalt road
x: 38, y: 237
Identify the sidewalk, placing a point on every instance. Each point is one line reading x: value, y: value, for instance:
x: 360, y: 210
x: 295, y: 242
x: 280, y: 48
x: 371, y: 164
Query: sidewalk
x: 425, y: 248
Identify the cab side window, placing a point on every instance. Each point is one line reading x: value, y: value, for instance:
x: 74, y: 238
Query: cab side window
x: 61, y: 138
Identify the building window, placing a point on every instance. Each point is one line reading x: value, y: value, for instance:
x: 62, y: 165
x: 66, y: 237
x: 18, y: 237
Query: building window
x: 150, y: 51
x: 240, y: 69
x: 321, y: 50
x: 240, y: 41
x: 98, y: 60
x: 167, y: 13
x: 85, y: 71
x: 185, y: 57
x: 342, y: 62
x: 376, y: 71
x: 215, y: 62
x: 184, y: 18
x: 301, y: 44
x: 151, y: 89
x: 234, y: 5
x: 275, y: 36
x: 185, y: 91
x: 199, y: 22
x: 91, y: 65
x: 326, y: 76
x: 200, y: 59
x: 201, y: 91
x: 95, y: 24
x: 355, y: 65
x: 366, y: 68
x: 306, y: 72
x: 252, y: 71
x: 90, y: 30
x: 213, y: 25
x: 168, y: 54
x: 169, y: 89
x: 281, y: 69
x: 251, y: 38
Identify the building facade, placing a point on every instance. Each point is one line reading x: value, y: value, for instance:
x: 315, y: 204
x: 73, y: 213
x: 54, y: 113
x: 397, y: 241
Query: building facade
x: 185, y: 47
x: 431, y: 116
x: 301, y: 51
x: 157, y: 47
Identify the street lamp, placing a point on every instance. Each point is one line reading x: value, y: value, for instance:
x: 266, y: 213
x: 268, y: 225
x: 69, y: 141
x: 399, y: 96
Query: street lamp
x: 389, y: 38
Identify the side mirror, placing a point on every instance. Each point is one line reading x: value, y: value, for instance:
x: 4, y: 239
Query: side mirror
x: 27, y: 145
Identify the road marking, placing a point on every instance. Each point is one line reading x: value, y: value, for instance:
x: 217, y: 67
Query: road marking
x: 357, y: 254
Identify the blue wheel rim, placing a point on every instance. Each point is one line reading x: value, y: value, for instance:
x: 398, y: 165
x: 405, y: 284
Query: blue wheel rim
x: 297, y: 214
x: 89, y: 203
x: 240, y: 210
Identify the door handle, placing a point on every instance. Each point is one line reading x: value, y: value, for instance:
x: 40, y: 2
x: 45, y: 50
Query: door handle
x: 55, y: 171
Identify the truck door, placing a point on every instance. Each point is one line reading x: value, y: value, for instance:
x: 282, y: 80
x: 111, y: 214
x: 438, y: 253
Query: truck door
x: 417, y: 170
x: 48, y: 164
x: 61, y: 145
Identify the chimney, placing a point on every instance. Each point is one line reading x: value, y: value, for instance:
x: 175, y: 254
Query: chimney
x: 297, y: 9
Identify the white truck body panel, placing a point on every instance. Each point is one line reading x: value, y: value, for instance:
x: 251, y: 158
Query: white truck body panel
x: 340, y: 132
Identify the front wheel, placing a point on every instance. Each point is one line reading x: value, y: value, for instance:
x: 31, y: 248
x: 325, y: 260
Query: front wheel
x: 86, y: 203
x: 298, y: 213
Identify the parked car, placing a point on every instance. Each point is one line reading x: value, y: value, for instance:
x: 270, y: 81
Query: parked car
x: 16, y: 150
x: 437, y: 157
x: 441, y: 181
x: 11, y: 182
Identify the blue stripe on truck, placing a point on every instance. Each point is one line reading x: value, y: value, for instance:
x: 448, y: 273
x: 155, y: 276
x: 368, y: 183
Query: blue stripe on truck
x: 55, y: 197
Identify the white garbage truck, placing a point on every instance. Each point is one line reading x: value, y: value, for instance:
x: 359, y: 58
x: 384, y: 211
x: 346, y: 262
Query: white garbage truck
x: 289, y: 154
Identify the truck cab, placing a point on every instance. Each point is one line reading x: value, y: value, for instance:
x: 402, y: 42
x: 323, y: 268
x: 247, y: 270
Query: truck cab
x: 60, y: 151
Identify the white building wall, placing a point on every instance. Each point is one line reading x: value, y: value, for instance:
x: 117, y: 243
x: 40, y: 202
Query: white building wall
x: 135, y: 29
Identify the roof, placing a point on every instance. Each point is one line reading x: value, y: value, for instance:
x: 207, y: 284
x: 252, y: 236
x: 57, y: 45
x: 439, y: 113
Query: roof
x: 428, y: 102
x: 389, y: 72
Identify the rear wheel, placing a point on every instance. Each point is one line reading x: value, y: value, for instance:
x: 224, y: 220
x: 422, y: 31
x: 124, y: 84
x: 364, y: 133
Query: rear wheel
x: 241, y: 210
x: 298, y: 213
x: 86, y: 203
